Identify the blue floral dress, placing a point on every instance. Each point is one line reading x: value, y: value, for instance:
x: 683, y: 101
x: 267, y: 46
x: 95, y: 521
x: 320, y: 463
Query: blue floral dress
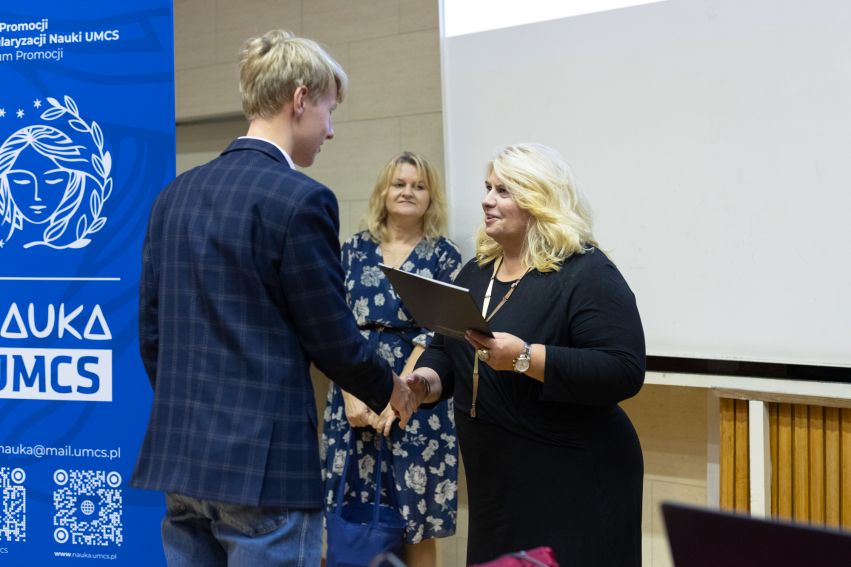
x: 425, y: 454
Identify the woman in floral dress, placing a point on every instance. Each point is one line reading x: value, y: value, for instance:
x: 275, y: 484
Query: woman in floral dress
x: 405, y: 221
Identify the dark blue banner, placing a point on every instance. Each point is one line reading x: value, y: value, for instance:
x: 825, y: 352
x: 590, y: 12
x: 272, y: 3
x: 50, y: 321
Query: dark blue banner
x: 86, y: 142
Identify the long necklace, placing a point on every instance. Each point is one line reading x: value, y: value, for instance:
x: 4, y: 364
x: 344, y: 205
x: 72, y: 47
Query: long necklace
x: 487, y: 317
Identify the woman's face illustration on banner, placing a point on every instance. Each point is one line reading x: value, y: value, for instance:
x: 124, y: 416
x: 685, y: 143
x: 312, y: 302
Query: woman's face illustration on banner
x: 36, y: 185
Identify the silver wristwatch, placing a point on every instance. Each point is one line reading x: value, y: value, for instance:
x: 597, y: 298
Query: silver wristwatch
x: 524, y: 359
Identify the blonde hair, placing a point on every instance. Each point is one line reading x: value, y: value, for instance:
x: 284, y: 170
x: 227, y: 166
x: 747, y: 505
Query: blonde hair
x: 274, y: 65
x: 540, y: 182
x: 434, y: 219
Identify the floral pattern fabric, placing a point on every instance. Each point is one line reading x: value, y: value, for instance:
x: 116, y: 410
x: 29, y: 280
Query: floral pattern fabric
x: 425, y: 455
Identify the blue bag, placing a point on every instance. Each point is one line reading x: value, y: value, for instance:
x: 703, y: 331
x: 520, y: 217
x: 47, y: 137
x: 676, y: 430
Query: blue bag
x: 358, y: 532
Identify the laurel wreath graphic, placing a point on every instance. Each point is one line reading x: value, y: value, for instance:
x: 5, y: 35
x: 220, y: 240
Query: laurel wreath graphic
x: 101, y: 163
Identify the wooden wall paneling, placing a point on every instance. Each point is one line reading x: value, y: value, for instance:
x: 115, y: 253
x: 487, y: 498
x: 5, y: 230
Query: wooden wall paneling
x: 773, y: 414
x: 845, y: 467
x: 784, y: 461
x: 800, y: 468
x: 726, y: 463
x: 832, y: 494
x: 742, y: 456
x: 816, y: 463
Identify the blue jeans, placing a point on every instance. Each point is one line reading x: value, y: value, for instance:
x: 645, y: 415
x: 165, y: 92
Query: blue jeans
x: 204, y: 532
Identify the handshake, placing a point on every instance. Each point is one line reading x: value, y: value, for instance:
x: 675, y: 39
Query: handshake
x: 408, y: 393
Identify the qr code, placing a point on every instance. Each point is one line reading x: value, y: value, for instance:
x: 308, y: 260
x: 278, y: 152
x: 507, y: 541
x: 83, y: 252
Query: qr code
x: 88, y: 508
x: 13, y: 513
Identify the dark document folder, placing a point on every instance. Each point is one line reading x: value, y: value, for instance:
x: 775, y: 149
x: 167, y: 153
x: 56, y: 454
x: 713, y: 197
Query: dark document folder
x: 442, y: 307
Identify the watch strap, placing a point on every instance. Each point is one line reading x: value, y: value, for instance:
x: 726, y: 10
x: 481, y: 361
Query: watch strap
x: 525, y: 354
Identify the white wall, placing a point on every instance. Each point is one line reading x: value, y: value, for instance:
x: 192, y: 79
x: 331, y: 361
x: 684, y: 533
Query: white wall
x: 712, y: 138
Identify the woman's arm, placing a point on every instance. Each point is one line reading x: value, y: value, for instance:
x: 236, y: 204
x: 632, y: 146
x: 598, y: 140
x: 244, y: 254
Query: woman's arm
x: 426, y: 385
x: 604, y: 361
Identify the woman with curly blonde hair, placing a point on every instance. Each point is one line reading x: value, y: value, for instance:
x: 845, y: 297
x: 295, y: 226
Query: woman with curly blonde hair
x: 551, y: 459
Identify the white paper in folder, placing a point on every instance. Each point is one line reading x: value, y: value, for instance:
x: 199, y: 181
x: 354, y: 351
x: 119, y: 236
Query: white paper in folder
x: 445, y: 308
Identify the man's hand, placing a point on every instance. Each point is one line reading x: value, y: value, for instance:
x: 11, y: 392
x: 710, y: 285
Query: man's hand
x: 357, y: 412
x: 402, y: 400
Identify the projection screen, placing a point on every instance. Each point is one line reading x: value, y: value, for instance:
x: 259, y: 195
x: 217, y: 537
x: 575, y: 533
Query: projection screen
x: 712, y: 139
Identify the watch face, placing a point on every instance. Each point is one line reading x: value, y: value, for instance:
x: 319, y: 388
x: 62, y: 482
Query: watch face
x: 522, y: 364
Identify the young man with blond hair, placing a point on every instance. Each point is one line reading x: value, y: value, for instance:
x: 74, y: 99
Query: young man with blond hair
x: 241, y: 289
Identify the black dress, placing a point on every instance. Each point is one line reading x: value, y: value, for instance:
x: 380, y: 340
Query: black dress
x: 556, y: 463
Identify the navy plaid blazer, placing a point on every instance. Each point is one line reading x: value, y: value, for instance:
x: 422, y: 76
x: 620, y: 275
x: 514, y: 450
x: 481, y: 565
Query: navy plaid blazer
x: 241, y: 289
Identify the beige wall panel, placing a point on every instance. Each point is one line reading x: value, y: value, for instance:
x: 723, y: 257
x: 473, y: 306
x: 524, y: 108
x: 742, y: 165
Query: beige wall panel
x: 187, y: 161
x: 209, y: 136
x: 199, y: 143
x: 395, y: 76
x: 340, y: 52
x: 194, y: 34
x: 350, y: 162
x: 204, y: 92
x: 460, y: 536
x: 662, y: 491
x: 238, y: 21
x: 447, y: 552
x: 351, y: 222
x: 671, y: 424
x: 646, y: 523
x: 335, y: 21
x: 345, y: 230
x: 416, y: 15
x: 424, y: 133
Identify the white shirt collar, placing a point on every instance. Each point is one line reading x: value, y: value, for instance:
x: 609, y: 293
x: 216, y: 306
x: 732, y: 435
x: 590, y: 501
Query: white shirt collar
x: 280, y: 149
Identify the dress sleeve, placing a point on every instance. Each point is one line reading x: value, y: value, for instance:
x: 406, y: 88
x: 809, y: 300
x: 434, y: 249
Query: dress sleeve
x: 605, y: 361
x: 347, y: 252
x: 436, y: 358
x: 448, y: 262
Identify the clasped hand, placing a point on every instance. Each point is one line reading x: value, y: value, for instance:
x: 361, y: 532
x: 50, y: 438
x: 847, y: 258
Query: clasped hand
x: 408, y: 393
x: 414, y: 391
x: 358, y: 414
